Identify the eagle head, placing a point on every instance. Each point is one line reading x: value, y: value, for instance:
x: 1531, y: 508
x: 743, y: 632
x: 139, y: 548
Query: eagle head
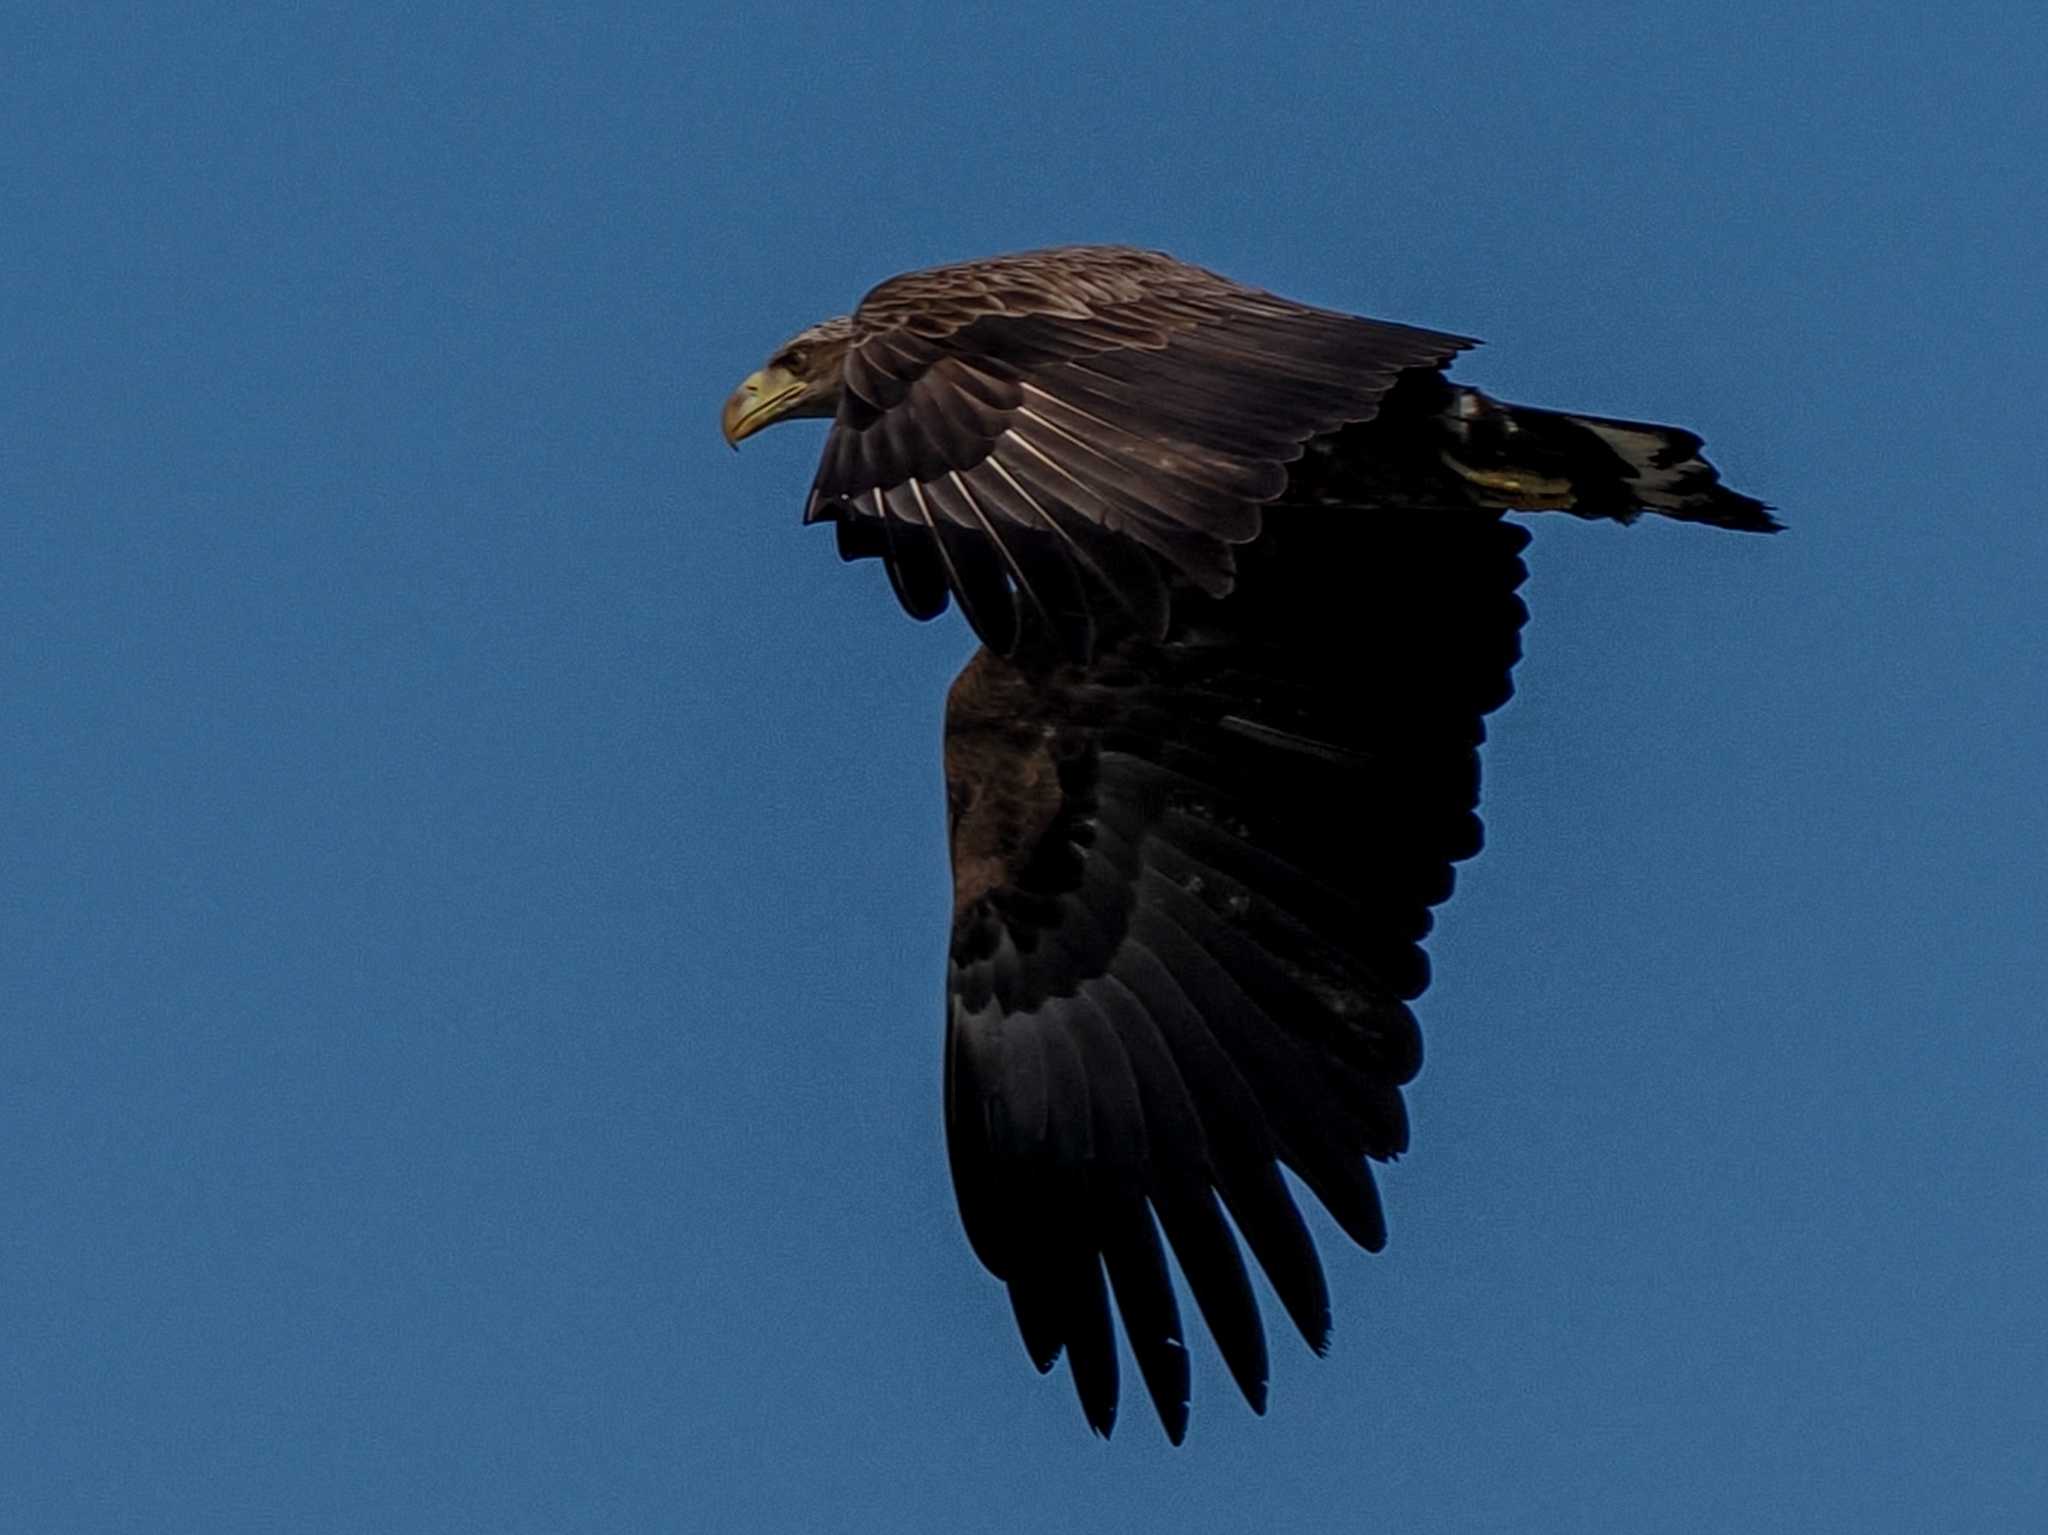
x: 800, y: 379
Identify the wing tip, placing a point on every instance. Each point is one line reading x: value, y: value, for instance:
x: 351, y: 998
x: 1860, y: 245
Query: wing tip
x: 1175, y: 1424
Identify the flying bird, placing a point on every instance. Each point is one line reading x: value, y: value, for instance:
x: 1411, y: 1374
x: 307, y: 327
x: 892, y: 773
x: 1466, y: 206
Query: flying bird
x: 1245, y: 593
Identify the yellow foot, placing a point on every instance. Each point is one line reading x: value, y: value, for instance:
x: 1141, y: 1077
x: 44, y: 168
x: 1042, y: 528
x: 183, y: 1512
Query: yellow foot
x: 1532, y: 491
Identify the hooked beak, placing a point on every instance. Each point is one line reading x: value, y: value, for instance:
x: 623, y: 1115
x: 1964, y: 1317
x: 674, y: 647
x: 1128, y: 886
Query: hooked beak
x: 759, y: 401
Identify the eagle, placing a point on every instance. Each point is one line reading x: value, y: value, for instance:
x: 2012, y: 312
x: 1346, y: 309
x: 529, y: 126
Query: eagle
x: 1245, y: 594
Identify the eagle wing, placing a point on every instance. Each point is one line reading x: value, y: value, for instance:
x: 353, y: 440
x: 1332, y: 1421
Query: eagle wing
x: 1190, y: 881
x: 1051, y: 437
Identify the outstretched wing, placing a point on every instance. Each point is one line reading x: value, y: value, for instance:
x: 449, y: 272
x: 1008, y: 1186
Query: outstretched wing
x: 1190, y: 885
x: 1045, y: 435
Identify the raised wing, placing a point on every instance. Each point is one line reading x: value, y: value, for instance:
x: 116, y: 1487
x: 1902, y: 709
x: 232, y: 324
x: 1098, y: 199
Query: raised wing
x: 1046, y: 436
x: 1190, y: 886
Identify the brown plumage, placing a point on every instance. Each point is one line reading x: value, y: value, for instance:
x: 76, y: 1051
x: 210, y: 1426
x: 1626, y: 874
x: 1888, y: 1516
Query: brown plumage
x: 1246, y: 596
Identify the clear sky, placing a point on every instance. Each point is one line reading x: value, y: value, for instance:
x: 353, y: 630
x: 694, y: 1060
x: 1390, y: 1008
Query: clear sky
x: 472, y: 894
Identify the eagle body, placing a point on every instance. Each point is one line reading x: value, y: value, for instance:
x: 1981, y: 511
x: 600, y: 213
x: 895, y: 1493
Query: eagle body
x: 1246, y: 594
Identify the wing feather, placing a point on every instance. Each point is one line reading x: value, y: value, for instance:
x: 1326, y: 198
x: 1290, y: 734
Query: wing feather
x: 1161, y: 401
x: 1190, y: 881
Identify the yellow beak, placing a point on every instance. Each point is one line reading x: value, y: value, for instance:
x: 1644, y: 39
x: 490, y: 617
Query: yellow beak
x: 759, y: 401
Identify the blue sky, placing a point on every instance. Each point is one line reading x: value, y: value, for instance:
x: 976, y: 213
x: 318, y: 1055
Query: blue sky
x: 471, y: 864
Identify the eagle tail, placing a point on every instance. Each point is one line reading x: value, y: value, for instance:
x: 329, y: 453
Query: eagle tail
x: 1524, y: 458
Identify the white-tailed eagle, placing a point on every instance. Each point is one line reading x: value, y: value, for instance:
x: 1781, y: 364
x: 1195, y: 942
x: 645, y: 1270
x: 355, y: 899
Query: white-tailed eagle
x: 1245, y: 595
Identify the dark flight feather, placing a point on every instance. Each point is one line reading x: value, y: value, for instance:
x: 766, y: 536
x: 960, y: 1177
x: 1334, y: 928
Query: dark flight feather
x: 1178, y: 873
x: 1140, y: 397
